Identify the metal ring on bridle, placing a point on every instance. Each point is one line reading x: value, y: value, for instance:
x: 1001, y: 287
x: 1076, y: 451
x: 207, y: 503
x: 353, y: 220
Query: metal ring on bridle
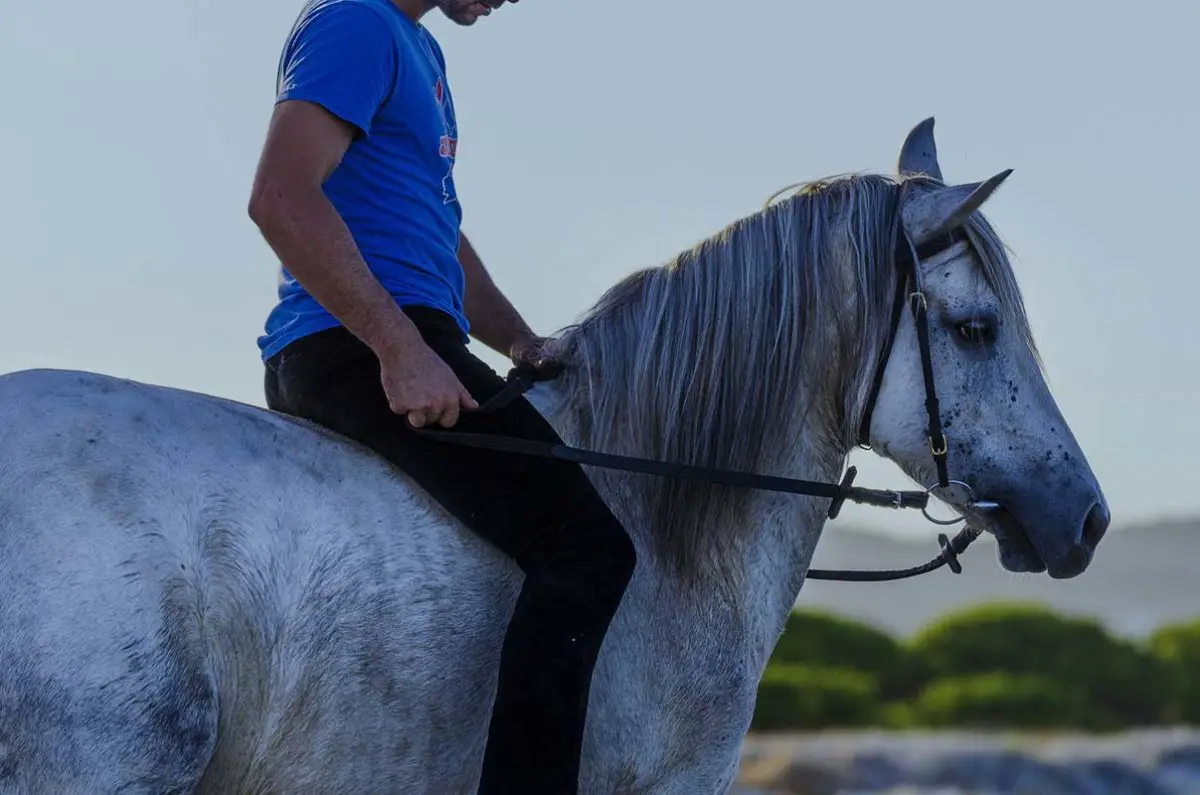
x: 970, y: 501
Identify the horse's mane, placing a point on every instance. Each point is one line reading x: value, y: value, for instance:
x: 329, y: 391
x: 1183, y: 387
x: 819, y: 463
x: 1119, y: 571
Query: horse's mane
x: 711, y: 359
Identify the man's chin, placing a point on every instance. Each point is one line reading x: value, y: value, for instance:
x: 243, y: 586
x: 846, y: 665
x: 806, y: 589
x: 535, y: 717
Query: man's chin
x: 467, y: 16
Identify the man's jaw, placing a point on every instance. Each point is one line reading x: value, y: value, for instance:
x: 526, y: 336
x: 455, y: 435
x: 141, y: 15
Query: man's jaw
x: 466, y: 13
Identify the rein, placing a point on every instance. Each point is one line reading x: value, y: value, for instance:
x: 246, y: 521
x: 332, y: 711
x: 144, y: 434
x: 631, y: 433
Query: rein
x: 907, y: 259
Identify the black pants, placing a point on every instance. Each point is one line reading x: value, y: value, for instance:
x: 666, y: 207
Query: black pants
x: 544, y: 513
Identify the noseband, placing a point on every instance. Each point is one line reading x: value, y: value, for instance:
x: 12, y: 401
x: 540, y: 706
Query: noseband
x: 908, y: 259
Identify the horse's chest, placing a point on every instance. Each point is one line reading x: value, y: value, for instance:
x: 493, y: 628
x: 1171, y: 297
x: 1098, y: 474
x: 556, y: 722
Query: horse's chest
x: 674, y: 727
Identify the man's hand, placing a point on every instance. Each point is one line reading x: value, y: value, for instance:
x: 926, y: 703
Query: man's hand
x: 530, y: 350
x: 419, y: 384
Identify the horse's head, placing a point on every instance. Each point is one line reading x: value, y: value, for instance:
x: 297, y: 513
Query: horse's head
x: 1006, y: 436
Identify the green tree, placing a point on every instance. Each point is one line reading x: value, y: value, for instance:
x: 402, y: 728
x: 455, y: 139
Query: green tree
x: 1124, y: 684
x: 1178, y: 646
x: 822, y: 640
x: 805, y: 697
x: 1000, y: 700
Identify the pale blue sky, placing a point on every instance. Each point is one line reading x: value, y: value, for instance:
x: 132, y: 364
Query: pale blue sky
x: 599, y: 137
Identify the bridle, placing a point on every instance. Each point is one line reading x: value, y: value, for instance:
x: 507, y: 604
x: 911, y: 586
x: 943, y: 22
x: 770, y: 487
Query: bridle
x: 907, y: 259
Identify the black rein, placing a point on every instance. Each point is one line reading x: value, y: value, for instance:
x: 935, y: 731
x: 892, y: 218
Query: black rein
x: 521, y: 379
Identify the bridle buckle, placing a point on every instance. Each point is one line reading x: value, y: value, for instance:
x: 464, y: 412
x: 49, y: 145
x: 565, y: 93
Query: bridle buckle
x: 939, y: 451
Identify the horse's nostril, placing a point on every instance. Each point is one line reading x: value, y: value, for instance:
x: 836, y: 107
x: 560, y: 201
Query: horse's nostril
x: 1095, y: 525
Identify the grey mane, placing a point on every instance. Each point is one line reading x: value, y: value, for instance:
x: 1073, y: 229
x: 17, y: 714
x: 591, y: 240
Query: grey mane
x: 707, y: 359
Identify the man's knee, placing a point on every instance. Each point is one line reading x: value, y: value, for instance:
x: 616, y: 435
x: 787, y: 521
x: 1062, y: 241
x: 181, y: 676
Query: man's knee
x: 620, y: 554
x: 615, y: 558
x: 592, y: 563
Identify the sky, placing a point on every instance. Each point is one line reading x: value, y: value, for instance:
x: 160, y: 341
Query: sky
x: 597, y: 138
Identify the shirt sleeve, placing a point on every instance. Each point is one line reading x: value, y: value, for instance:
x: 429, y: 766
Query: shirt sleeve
x: 341, y: 56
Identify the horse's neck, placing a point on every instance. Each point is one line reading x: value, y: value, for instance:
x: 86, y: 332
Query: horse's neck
x: 774, y: 546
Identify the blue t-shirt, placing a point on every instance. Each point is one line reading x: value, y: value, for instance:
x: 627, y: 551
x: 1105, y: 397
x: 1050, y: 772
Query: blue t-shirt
x: 368, y: 63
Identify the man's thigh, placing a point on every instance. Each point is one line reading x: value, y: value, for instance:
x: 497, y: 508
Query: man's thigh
x: 511, y: 500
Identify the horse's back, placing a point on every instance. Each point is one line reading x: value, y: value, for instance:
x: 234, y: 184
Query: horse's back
x: 186, y: 580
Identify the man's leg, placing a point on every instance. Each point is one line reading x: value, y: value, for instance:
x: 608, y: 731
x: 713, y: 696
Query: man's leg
x: 576, y: 557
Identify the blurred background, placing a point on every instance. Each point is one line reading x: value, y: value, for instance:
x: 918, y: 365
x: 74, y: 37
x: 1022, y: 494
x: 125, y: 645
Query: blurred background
x: 597, y: 138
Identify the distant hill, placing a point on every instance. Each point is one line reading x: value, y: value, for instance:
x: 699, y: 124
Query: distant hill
x: 1142, y: 576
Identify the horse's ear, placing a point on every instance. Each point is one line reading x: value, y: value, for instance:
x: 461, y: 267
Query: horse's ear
x: 919, y: 153
x: 927, y: 214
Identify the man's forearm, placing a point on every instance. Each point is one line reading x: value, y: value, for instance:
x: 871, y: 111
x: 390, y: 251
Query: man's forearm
x: 314, y: 244
x: 494, y: 321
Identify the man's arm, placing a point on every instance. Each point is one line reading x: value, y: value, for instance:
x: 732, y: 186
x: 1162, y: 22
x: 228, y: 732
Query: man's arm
x: 494, y: 321
x: 304, y: 145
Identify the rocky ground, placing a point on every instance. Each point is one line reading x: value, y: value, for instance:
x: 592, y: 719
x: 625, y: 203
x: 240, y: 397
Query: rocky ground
x: 1151, y: 762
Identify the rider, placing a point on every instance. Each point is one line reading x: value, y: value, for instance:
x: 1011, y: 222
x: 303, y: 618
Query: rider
x: 380, y: 293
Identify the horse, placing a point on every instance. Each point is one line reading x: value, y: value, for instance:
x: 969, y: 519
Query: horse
x: 201, y: 596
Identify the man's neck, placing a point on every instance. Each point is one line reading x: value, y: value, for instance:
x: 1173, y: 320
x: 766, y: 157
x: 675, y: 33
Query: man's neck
x: 415, y: 9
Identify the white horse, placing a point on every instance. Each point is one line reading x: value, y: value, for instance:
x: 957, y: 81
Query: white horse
x: 199, y: 596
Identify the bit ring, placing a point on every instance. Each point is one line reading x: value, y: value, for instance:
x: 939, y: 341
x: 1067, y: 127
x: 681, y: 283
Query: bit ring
x: 946, y: 522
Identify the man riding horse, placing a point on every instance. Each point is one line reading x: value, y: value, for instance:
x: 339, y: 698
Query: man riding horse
x: 380, y: 293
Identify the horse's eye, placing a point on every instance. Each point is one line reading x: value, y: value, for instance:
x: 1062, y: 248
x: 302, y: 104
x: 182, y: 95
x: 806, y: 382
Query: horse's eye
x: 976, y: 332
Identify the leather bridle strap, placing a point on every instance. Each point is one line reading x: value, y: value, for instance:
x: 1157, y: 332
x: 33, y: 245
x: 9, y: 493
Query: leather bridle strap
x: 908, y: 259
x: 920, y: 310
